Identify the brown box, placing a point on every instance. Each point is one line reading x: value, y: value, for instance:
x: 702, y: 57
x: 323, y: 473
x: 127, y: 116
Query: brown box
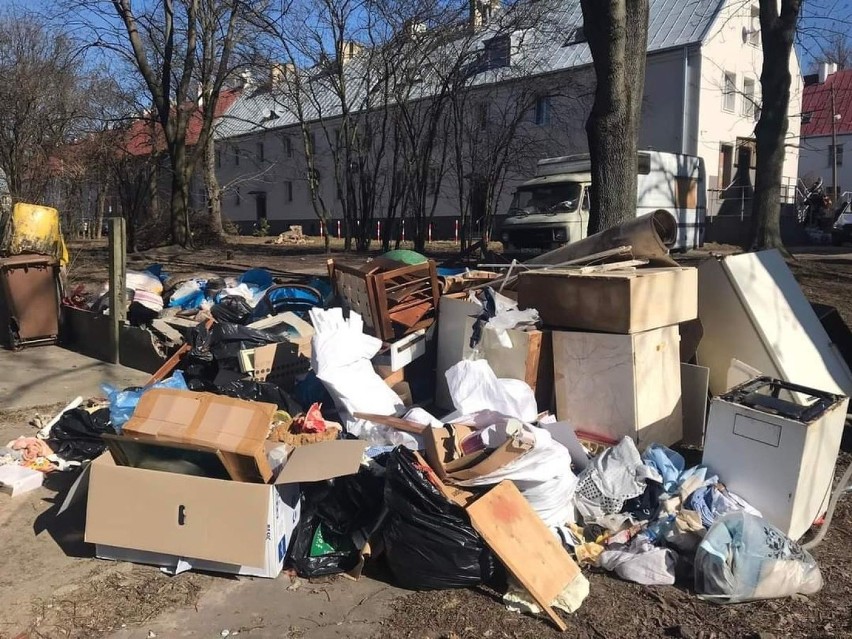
x: 612, y: 301
x: 446, y: 459
x: 161, y: 518
x: 234, y: 427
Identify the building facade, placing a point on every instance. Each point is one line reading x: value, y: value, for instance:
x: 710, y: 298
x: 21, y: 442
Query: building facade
x: 701, y: 97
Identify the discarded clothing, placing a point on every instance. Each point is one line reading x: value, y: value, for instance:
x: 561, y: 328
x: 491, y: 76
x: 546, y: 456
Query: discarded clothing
x: 642, y: 563
x: 31, y: 448
x: 713, y: 501
x: 743, y: 558
x: 613, y: 477
x: 667, y: 462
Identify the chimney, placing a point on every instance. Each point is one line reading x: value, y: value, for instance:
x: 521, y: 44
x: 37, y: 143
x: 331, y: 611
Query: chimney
x: 279, y: 72
x: 481, y: 12
x: 826, y: 69
x: 247, y: 79
x: 350, y: 49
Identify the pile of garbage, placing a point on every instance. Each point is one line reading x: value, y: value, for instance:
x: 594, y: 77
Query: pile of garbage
x: 509, y: 430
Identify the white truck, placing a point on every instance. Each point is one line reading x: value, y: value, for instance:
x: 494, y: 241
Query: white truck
x: 552, y: 209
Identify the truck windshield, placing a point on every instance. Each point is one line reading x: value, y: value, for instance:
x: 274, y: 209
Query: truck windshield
x: 546, y: 198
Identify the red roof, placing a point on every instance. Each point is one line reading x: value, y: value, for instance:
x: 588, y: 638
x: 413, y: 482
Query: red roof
x: 816, y: 105
x: 146, y: 135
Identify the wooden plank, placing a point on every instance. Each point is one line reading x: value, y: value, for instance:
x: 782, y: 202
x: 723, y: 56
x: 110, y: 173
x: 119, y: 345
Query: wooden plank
x: 612, y: 266
x: 525, y: 545
x: 117, y: 283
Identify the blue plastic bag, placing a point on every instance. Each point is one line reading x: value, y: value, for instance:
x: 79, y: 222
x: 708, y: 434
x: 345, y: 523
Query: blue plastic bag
x: 122, y: 403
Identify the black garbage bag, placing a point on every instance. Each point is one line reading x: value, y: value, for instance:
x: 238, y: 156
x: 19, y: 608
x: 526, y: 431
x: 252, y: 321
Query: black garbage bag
x: 231, y: 309
x: 77, y: 434
x: 258, y: 392
x: 337, y: 516
x: 227, y: 340
x: 429, y: 541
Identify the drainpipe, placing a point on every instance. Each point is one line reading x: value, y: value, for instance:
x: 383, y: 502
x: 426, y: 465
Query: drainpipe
x: 685, y: 100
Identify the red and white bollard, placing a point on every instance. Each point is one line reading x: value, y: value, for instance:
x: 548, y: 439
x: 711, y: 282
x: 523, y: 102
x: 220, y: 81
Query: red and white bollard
x: 430, y: 232
x: 378, y: 230
x: 457, y: 231
x: 322, y: 229
x: 338, y: 230
x: 403, y: 230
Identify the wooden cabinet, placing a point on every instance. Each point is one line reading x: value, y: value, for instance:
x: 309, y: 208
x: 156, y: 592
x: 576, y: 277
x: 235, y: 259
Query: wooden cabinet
x: 615, y: 385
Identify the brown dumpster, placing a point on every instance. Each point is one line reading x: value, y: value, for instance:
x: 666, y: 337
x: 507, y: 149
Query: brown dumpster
x: 29, y: 300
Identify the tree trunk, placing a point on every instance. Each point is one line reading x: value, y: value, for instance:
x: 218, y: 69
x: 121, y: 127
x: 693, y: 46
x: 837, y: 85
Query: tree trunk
x: 101, y: 205
x: 777, y: 33
x: 617, y: 32
x: 179, y: 201
x: 213, y: 192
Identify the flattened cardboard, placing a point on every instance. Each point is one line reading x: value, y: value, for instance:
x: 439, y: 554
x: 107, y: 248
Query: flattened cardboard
x: 444, y: 457
x: 236, y: 428
x: 694, y: 381
x: 622, y: 302
x: 235, y: 523
x: 321, y: 461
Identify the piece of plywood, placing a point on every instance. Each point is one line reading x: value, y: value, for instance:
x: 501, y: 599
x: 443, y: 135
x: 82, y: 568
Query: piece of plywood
x: 620, y: 385
x: 753, y: 310
x: 525, y: 545
x: 693, y: 384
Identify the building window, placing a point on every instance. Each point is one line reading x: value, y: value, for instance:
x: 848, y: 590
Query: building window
x: 236, y: 156
x: 729, y: 92
x: 288, y: 190
x: 482, y: 115
x: 831, y: 148
x: 753, y: 37
x: 259, y: 152
x: 748, y: 109
x: 497, y: 52
x: 288, y: 146
x: 543, y: 108
x: 237, y: 197
x: 312, y: 142
x: 218, y: 158
x: 806, y: 117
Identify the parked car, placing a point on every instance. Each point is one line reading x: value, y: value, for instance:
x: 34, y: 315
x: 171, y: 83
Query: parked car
x: 841, y: 231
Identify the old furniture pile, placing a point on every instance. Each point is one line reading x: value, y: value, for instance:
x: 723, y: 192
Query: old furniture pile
x: 511, y: 426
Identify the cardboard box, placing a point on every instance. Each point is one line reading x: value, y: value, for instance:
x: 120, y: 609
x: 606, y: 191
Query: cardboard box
x: 448, y: 462
x: 612, y: 301
x: 528, y: 359
x: 620, y: 385
x: 166, y: 519
x: 234, y: 427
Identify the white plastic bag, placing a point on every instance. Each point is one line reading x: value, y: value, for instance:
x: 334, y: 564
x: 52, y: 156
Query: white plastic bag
x: 340, y: 357
x: 474, y: 387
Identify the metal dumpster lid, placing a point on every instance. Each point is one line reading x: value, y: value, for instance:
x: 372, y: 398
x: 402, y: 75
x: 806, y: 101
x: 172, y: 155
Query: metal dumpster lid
x: 33, y: 259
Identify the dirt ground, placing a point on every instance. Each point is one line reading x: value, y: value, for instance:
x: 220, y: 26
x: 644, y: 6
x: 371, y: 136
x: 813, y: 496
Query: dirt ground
x: 51, y: 586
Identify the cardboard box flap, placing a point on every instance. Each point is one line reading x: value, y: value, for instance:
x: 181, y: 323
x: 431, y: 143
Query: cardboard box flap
x: 321, y: 461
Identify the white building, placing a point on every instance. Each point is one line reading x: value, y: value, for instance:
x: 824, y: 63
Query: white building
x: 702, y: 97
x: 827, y: 93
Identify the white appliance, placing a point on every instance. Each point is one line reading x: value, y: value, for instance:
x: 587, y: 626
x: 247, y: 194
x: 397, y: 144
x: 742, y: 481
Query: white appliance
x: 776, y: 454
x: 752, y: 310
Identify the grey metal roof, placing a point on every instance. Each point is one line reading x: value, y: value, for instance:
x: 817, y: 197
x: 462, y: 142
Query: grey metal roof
x: 541, y: 49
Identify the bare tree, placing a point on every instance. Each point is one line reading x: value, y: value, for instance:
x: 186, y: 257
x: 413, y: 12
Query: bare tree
x: 836, y: 49
x: 778, y: 30
x: 175, y: 46
x: 43, y: 98
x: 617, y: 32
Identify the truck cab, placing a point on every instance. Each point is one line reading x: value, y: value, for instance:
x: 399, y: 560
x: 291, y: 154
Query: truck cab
x: 547, y: 212
x: 552, y: 209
